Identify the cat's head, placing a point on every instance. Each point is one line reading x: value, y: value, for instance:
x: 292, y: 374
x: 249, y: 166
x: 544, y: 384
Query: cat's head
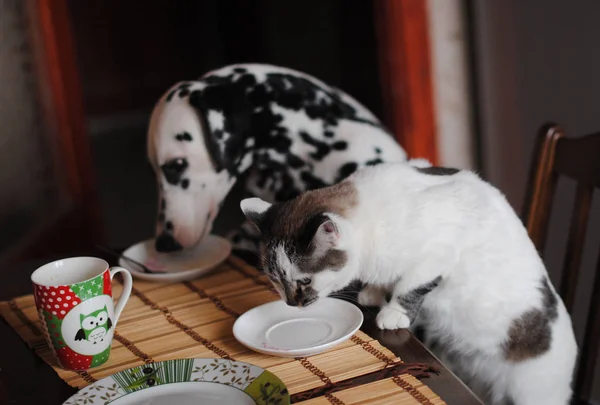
x: 307, y: 247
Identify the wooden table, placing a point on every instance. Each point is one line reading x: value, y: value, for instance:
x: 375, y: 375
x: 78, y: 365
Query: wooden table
x: 26, y: 379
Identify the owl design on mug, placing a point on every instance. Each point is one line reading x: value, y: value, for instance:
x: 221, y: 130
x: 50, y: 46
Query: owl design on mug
x: 94, y: 326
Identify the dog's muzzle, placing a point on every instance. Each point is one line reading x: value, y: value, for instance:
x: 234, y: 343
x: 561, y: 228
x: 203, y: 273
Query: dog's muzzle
x: 165, y: 243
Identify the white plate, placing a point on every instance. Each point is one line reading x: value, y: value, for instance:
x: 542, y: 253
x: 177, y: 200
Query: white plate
x: 186, y: 382
x: 179, y: 266
x: 281, y: 330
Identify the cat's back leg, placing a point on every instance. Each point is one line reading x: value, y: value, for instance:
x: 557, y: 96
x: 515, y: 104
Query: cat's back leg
x: 546, y: 378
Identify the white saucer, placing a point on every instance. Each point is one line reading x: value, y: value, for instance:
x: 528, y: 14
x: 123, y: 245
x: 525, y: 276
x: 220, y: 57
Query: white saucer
x: 178, y: 266
x: 280, y: 330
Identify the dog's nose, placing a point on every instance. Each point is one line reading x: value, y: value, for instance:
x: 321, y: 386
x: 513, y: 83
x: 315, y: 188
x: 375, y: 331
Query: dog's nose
x: 165, y: 242
x: 292, y: 302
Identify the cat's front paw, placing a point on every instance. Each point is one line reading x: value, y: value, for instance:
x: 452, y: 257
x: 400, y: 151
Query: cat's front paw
x: 371, y: 296
x: 392, y: 318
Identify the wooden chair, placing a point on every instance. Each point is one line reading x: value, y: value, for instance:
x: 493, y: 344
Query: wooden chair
x: 578, y: 159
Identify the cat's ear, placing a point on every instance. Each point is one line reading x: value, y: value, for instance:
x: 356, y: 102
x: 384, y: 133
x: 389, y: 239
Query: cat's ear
x: 254, y: 209
x: 327, y: 234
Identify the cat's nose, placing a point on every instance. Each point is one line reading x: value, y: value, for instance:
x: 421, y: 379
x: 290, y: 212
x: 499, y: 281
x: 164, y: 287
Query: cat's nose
x: 306, y: 301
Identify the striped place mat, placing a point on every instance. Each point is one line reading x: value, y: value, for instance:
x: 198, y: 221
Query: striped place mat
x: 195, y: 319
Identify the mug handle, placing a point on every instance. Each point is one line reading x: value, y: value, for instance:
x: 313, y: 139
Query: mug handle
x: 127, y: 286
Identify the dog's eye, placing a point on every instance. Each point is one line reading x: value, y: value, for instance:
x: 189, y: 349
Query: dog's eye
x: 173, y: 169
x: 304, y: 281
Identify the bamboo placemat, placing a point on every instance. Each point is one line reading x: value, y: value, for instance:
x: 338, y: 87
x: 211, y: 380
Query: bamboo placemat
x: 195, y: 319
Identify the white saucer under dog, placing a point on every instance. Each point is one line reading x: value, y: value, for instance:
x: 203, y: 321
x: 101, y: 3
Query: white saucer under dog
x: 278, y: 329
x: 145, y: 263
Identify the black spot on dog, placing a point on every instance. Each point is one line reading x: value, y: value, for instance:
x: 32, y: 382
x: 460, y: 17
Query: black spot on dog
x: 240, y: 70
x: 170, y: 95
x: 184, y: 136
x: 388, y: 296
x: 294, y: 161
x: 329, y: 134
x: 378, y: 151
x: 246, y: 80
x: 163, y: 204
x: 174, y: 169
x: 182, y: 88
x: 185, y: 183
x: 339, y: 145
x: 259, y: 96
x: 322, y: 149
x: 281, y: 143
x: 287, y: 189
x: 438, y: 171
x: 169, y: 226
x: 311, y: 181
x: 203, y: 185
x: 346, y: 170
x: 237, y: 238
x: 374, y: 162
x: 161, y: 217
x: 276, y: 175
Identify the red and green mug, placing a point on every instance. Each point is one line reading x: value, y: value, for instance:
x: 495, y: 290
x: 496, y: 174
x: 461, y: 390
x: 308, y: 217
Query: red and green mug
x: 76, y: 309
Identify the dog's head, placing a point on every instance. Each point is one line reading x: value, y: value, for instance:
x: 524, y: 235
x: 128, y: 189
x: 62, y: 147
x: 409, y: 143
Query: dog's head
x: 191, y: 153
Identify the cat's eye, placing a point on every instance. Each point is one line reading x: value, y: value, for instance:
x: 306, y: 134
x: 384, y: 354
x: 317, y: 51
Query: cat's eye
x: 304, y: 281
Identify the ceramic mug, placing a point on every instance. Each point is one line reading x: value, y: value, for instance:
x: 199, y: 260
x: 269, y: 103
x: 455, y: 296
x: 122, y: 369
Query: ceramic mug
x: 75, y: 305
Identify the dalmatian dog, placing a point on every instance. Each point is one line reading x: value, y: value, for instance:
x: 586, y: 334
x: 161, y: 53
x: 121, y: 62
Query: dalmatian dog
x: 281, y: 131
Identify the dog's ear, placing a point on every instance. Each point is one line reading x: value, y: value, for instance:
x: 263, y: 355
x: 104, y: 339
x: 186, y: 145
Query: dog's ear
x: 226, y: 119
x: 199, y: 104
x: 255, y: 209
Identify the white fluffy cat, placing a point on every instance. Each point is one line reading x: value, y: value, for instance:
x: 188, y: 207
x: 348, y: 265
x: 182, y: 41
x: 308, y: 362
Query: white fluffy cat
x: 454, y: 259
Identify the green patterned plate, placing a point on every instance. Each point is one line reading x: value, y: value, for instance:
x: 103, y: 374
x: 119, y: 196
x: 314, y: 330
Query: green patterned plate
x: 186, y: 382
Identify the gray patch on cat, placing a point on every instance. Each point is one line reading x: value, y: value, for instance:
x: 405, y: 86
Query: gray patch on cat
x: 299, y: 297
x: 550, y: 300
x: 333, y: 259
x: 307, y: 296
x: 388, y: 297
x: 438, y: 171
x: 287, y: 220
x: 419, y: 332
x: 413, y: 300
x: 530, y: 335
